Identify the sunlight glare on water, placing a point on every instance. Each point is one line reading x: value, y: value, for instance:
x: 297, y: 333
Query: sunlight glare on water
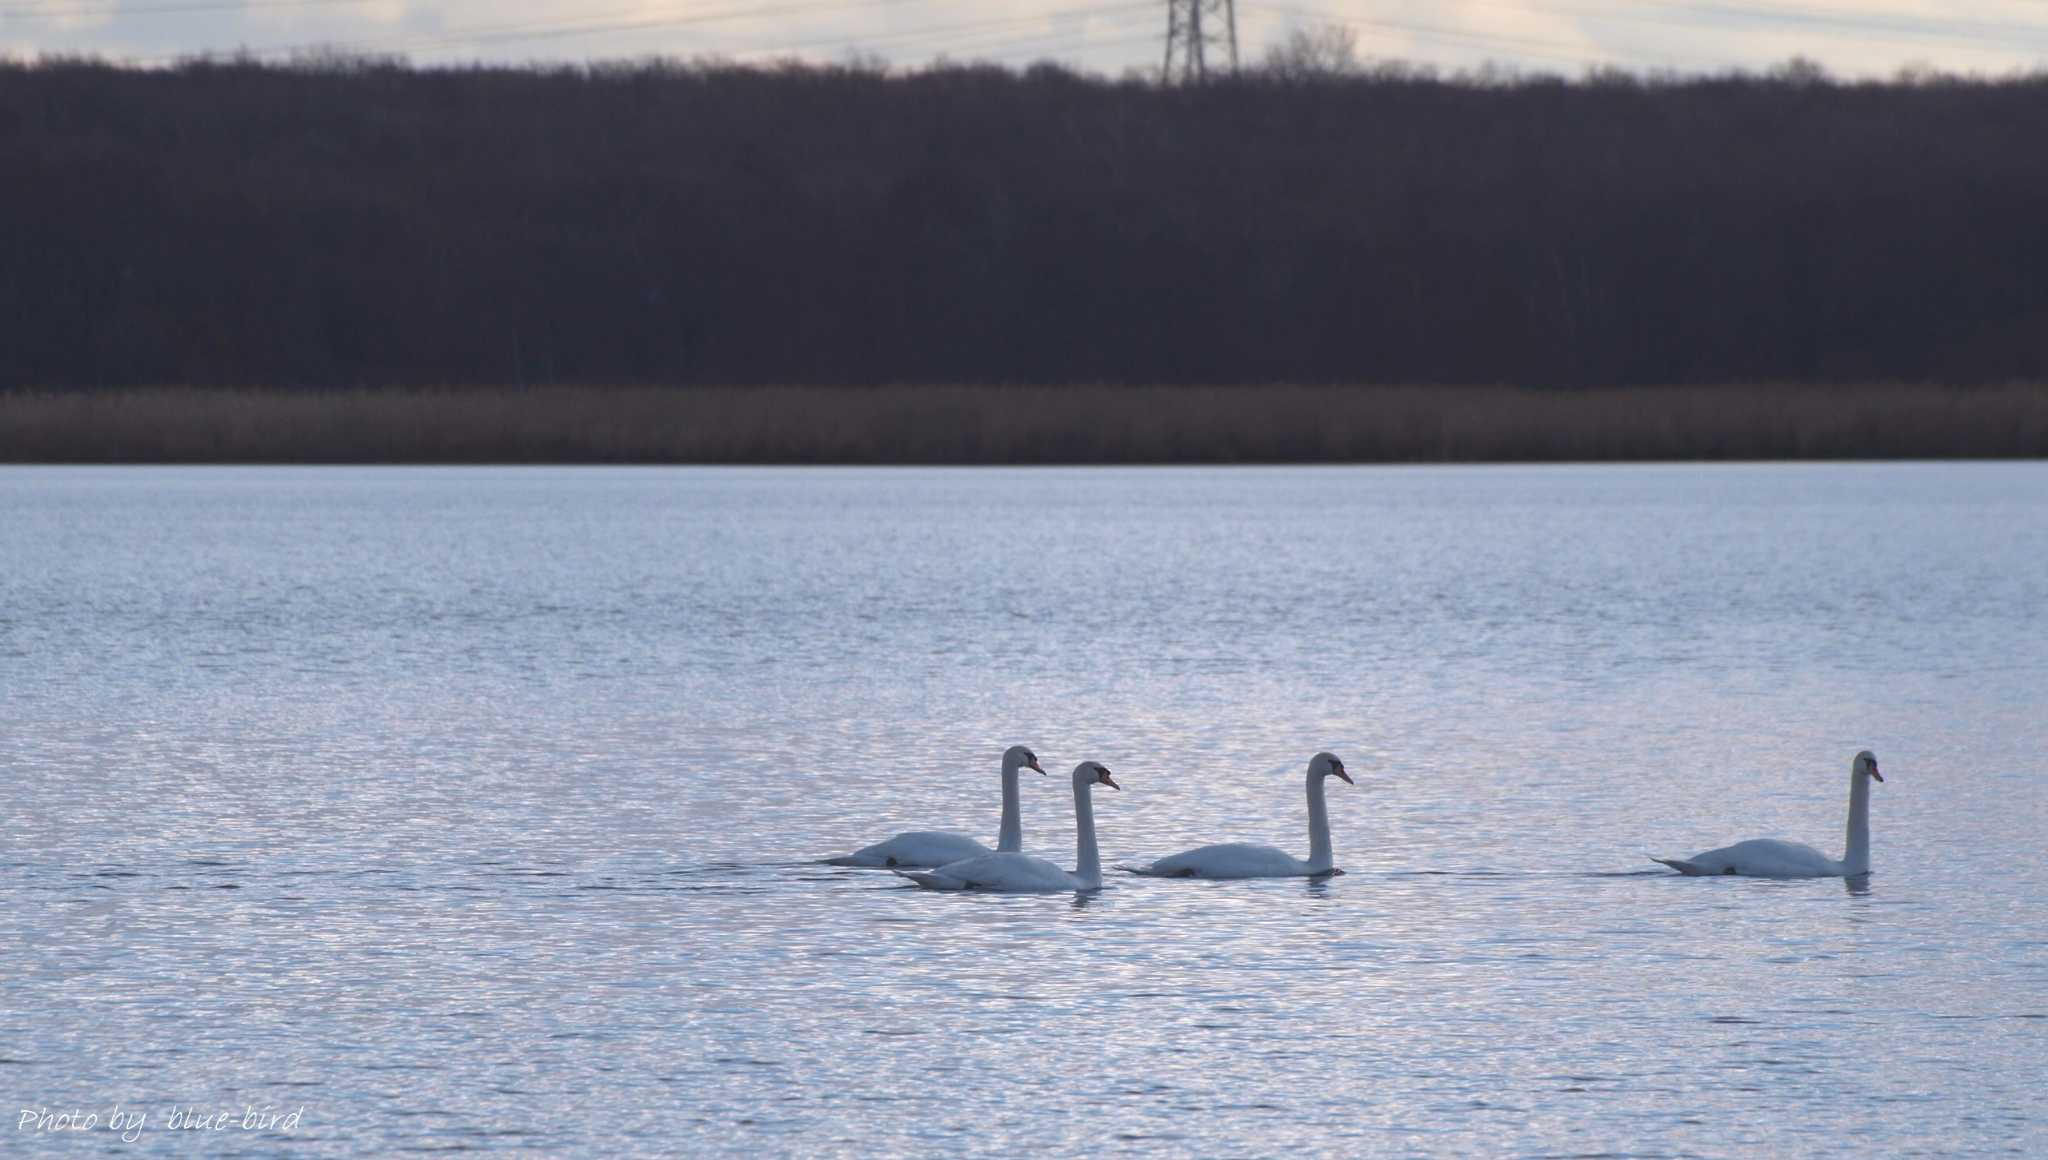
x: 482, y: 808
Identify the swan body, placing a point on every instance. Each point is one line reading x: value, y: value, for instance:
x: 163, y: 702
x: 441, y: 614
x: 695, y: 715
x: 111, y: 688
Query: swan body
x: 1230, y: 860
x: 938, y: 847
x: 1760, y: 858
x: 914, y: 848
x: 1009, y: 873
x: 1245, y: 860
x: 1016, y: 873
x: 1771, y: 858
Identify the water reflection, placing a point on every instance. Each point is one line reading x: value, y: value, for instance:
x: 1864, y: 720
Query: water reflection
x: 519, y: 794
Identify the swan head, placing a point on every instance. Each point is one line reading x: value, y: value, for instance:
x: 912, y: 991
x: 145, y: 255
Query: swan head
x: 1093, y: 773
x: 1866, y: 763
x: 1328, y: 765
x: 1020, y: 757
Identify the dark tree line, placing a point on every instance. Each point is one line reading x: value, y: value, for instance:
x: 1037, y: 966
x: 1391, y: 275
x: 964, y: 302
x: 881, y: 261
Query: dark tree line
x: 370, y: 224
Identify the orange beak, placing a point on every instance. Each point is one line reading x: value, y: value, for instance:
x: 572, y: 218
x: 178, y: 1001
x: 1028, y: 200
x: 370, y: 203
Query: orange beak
x: 1107, y: 780
x: 1339, y: 771
x: 1033, y: 764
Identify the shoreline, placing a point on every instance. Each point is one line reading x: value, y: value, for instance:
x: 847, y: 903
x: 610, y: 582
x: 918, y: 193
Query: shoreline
x: 1017, y: 426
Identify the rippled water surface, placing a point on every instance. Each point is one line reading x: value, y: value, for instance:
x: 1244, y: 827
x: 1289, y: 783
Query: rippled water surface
x: 479, y: 809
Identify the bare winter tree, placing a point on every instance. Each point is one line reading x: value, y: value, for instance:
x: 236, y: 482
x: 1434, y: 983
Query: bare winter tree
x: 1325, y: 51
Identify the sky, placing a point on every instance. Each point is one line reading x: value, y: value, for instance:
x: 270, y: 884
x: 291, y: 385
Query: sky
x: 1861, y: 38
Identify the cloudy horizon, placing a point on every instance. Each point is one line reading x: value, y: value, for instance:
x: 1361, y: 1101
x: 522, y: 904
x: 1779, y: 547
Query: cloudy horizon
x: 1106, y: 36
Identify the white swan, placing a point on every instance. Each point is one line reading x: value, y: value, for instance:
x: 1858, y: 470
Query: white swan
x: 1244, y: 860
x: 937, y: 847
x: 1020, y: 873
x: 1770, y: 858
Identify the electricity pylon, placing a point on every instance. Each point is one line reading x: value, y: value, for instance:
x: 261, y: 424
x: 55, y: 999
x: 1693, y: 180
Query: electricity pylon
x: 1198, y: 31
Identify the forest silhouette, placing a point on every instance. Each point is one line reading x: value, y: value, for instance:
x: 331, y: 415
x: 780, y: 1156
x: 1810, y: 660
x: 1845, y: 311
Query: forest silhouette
x: 365, y: 224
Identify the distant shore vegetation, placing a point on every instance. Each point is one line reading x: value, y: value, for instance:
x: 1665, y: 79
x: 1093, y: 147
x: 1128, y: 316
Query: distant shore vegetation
x: 1023, y: 425
x: 353, y: 225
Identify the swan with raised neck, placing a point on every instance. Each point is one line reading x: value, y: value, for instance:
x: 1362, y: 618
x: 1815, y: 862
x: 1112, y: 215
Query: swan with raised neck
x: 1771, y: 858
x: 1022, y: 873
x: 918, y: 848
x: 1246, y: 860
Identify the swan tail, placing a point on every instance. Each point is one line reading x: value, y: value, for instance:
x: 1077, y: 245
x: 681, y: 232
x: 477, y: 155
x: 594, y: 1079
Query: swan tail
x: 1681, y: 865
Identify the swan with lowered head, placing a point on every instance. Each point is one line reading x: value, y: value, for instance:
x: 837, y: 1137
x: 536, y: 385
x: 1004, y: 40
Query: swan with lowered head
x: 1771, y: 858
x: 936, y: 847
x: 1021, y: 873
x: 1245, y: 860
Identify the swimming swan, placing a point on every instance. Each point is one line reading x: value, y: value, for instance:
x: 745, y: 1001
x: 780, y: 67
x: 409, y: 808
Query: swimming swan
x: 1770, y: 858
x: 1244, y: 860
x: 1020, y: 873
x: 935, y: 847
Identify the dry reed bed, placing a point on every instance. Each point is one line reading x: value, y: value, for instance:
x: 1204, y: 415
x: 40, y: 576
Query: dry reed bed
x: 1082, y: 424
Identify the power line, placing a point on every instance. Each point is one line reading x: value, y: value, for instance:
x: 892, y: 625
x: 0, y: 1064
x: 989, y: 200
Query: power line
x: 532, y: 30
x: 1866, y: 21
x: 1010, y: 47
x: 565, y: 29
x: 1722, y: 16
x: 1093, y: 45
x: 1552, y: 49
x: 982, y: 48
x: 57, y: 11
x: 1674, y: 13
x: 845, y: 44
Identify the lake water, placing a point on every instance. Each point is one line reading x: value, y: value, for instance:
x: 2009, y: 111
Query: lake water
x: 478, y: 808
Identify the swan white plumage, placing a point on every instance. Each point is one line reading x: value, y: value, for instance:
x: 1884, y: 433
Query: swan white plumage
x: 1245, y: 860
x: 1771, y: 858
x: 1021, y: 873
x: 919, y: 848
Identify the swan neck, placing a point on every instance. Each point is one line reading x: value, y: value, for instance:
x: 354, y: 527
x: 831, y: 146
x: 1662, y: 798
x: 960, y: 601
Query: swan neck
x: 1010, y: 838
x: 1856, y: 856
x: 1087, y: 859
x: 1319, y: 854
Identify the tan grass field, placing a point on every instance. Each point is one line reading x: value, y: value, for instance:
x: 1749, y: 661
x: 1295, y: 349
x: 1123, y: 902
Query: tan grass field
x: 1078, y: 424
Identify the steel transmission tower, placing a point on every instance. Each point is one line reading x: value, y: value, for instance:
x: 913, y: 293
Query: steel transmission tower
x: 1197, y: 33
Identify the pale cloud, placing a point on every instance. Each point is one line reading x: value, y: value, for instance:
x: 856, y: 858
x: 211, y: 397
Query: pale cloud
x: 69, y: 19
x: 1565, y: 36
x: 1877, y: 36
